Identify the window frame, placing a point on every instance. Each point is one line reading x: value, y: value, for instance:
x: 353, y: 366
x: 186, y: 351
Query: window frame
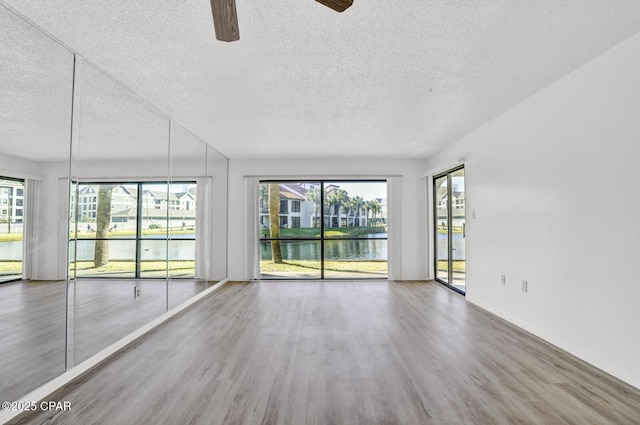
x: 322, y: 238
x: 139, y: 236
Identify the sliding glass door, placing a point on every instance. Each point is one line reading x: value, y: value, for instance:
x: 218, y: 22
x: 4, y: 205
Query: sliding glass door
x: 11, y: 228
x: 323, y: 229
x: 450, y: 228
x: 289, y: 220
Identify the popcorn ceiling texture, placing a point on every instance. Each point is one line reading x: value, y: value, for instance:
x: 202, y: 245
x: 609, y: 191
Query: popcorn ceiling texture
x: 379, y: 80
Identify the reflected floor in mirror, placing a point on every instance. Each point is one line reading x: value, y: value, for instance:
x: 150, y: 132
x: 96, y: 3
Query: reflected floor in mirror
x: 108, y: 309
x: 342, y: 352
x: 32, y: 323
x: 32, y: 335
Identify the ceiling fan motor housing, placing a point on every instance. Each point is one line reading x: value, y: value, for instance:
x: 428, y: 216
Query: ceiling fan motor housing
x: 337, y: 5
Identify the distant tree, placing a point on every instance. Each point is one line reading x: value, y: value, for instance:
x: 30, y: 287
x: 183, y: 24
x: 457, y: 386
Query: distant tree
x: 349, y: 206
x: 274, y: 222
x: 263, y: 205
x: 313, y: 195
x: 367, y: 209
x: 103, y: 219
x: 375, y: 208
x: 330, y: 200
x: 358, y: 203
x: 339, y: 197
x: 263, y: 193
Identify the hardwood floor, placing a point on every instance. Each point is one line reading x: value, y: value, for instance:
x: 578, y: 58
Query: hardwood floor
x: 32, y: 335
x: 105, y: 310
x: 352, y: 352
x: 33, y: 323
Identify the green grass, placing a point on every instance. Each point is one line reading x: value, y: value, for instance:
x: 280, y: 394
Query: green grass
x: 307, y: 266
x: 10, y: 267
x: 329, y: 232
x: 132, y: 233
x: 10, y: 237
x: 456, y: 229
x: 458, y: 265
x: 130, y: 266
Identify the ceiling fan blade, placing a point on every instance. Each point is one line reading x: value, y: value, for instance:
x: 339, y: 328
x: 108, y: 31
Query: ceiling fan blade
x: 337, y: 5
x: 225, y: 20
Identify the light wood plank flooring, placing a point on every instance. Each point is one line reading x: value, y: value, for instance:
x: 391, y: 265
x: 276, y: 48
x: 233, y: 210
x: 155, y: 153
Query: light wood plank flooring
x: 33, y: 323
x: 343, y: 353
x: 32, y: 335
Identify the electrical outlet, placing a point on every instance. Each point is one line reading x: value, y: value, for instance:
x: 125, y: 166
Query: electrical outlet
x: 136, y: 292
x: 525, y: 286
x: 504, y: 279
x: 473, y: 214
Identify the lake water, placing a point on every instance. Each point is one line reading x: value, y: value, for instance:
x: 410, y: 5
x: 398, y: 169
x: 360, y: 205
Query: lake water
x: 362, y: 249
x: 458, y: 246
x: 118, y: 250
x: 335, y: 249
x: 150, y: 250
x: 11, y: 251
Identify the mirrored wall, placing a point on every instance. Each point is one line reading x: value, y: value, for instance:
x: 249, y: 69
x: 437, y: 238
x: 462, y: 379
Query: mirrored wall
x: 111, y: 213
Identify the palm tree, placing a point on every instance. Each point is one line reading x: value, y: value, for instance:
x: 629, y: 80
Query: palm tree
x: 313, y: 195
x: 103, y: 219
x: 329, y: 201
x: 375, y: 208
x: 341, y: 197
x: 358, y: 203
x: 349, y: 206
x: 263, y: 194
x: 367, y: 209
x: 274, y: 222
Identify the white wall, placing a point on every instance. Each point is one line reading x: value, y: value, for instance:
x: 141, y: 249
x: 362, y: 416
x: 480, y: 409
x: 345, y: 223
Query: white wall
x: 17, y: 167
x: 554, y: 184
x: 412, y: 238
x: 218, y: 211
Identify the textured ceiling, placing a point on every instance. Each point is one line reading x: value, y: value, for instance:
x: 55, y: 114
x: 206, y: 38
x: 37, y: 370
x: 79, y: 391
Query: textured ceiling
x: 382, y: 79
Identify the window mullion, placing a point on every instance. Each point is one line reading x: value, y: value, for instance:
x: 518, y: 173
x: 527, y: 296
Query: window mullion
x: 138, y: 230
x: 322, y: 230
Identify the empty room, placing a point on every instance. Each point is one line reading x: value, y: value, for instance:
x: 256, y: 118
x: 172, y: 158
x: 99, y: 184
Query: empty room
x: 319, y: 212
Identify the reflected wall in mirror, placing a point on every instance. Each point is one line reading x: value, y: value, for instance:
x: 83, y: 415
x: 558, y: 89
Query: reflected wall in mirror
x: 197, y: 185
x: 36, y: 76
x: 118, y: 213
x: 188, y: 200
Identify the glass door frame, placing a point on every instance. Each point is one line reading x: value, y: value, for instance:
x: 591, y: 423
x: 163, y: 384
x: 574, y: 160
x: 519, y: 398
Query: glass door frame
x: 15, y: 277
x: 449, y: 283
x: 322, y: 238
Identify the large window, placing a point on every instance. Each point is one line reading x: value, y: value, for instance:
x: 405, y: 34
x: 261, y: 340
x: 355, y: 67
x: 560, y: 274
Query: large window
x: 333, y: 230
x: 11, y: 228
x: 450, y: 229
x: 134, y: 230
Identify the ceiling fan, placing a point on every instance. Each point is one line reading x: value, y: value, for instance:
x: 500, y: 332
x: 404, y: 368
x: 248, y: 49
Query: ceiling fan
x: 225, y: 18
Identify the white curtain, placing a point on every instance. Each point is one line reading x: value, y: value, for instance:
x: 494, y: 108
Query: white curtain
x: 204, y: 227
x: 31, y: 188
x: 394, y: 227
x: 430, y: 227
x: 251, y: 237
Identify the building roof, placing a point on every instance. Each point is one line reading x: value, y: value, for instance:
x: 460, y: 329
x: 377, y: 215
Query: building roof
x: 292, y: 191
